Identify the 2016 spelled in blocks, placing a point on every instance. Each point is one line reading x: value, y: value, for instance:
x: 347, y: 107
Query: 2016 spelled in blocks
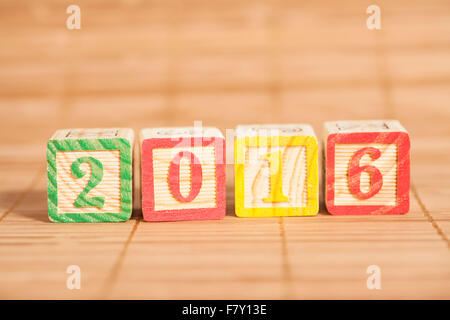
x: 276, y: 171
x: 183, y: 173
x: 367, y: 167
x: 367, y: 171
x: 90, y: 175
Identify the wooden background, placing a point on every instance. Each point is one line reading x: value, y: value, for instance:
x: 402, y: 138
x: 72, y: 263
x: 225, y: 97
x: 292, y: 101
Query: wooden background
x: 227, y: 62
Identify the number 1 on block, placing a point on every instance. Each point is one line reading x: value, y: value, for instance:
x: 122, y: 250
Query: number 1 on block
x: 275, y: 160
x: 276, y: 171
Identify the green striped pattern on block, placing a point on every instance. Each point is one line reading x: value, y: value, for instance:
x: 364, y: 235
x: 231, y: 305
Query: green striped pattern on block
x: 90, y: 145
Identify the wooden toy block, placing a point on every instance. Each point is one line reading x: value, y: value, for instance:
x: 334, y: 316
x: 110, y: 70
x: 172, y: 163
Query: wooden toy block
x: 276, y: 171
x: 367, y: 167
x: 183, y: 173
x: 90, y: 175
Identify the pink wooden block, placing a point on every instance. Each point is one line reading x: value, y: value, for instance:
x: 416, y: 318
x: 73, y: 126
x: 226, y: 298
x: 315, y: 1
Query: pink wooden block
x: 367, y: 167
x: 183, y: 174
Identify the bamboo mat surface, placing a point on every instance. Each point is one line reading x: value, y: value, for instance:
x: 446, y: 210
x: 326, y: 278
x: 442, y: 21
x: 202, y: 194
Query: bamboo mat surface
x: 169, y: 63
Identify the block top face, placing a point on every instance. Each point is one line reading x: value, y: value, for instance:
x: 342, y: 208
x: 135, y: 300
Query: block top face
x: 363, y: 126
x: 274, y: 130
x: 93, y: 133
x: 180, y: 132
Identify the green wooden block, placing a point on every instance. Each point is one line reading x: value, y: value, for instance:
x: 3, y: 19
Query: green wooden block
x: 90, y: 175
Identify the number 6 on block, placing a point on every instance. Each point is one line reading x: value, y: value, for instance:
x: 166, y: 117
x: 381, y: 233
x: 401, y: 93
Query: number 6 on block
x: 183, y: 174
x: 89, y: 175
x: 367, y: 167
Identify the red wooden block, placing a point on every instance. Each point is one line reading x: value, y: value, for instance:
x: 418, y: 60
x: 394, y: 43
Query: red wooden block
x: 367, y: 167
x: 183, y: 174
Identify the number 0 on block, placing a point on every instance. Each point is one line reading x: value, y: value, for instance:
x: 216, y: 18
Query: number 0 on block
x: 89, y: 175
x: 183, y: 174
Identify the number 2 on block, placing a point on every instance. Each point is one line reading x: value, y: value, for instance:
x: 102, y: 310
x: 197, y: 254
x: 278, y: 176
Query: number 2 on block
x: 82, y: 201
x: 354, y: 174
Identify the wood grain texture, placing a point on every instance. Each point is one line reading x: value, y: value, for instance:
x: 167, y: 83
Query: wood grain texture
x: 257, y: 177
x: 387, y: 164
x: 69, y: 188
x: 169, y: 63
x: 164, y: 198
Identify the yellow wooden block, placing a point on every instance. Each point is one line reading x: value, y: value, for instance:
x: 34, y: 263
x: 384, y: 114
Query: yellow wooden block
x: 276, y: 171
